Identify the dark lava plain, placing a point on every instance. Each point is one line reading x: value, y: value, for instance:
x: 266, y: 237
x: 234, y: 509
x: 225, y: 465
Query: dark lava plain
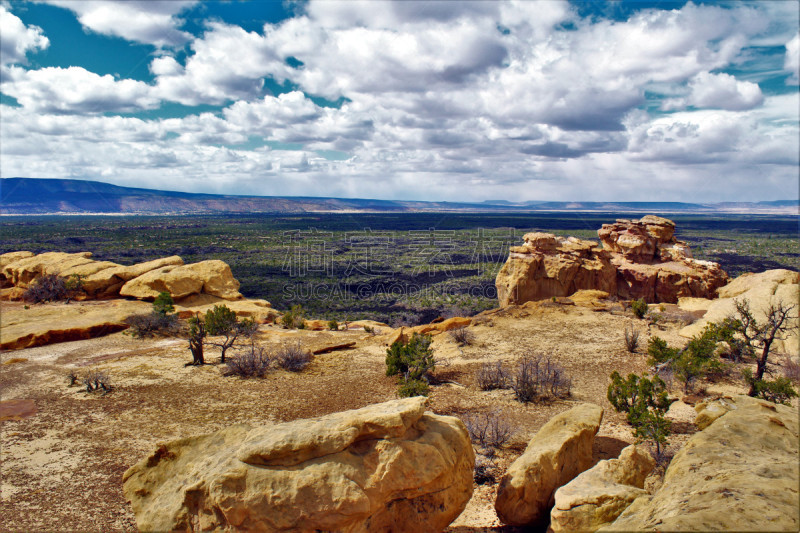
x: 398, y: 268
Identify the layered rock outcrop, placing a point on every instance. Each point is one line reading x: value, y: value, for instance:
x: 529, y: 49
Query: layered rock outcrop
x: 547, y: 265
x: 741, y: 473
x: 598, y: 496
x: 638, y: 259
x: 106, y: 280
x: 558, y: 452
x: 386, y: 467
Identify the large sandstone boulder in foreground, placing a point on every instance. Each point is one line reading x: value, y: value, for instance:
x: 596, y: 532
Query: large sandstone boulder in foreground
x: 639, y: 259
x: 547, y: 266
x: 558, y: 452
x: 386, y: 467
x: 599, y: 495
x: 741, y: 473
x: 761, y: 290
x: 212, y: 277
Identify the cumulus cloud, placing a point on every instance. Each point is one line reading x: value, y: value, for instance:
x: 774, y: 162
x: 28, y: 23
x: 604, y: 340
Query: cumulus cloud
x: 18, y: 39
x: 792, y: 61
x: 718, y: 91
x: 151, y: 21
x: 75, y: 90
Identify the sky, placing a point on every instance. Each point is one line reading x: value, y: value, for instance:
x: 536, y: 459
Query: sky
x: 415, y: 100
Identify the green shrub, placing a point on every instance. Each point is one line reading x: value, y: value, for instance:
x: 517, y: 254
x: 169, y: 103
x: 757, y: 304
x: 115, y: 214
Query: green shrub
x: 333, y: 325
x: 412, y: 387
x: 645, y: 402
x: 779, y: 390
x: 294, y: 318
x: 639, y: 308
x: 413, y: 361
x: 163, y: 304
x: 697, y: 359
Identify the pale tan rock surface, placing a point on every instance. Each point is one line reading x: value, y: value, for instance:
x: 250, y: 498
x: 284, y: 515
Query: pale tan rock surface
x: 598, y: 495
x: 558, y: 452
x: 212, y: 277
x: 47, y: 324
x: 403, y: 334
x: 741, y: 473
x: 260, y: 311
x: 385, y: 467
x: 761, y: 290
x: 106, y: 282
x: 23, y: 271
x: 712, y: 408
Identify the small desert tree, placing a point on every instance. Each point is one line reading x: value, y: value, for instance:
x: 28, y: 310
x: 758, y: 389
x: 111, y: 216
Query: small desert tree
x: 197, y: 335
x: 412, y: 361
x: 223, y: 322
x: 645, y: 402
x: 163, y: 304
x: 760, y: 335
x: 696, y: 360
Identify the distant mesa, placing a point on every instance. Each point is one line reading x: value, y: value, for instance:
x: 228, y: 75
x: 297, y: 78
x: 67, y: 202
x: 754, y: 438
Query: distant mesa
x: 29, y: 196
x: 637, y: 259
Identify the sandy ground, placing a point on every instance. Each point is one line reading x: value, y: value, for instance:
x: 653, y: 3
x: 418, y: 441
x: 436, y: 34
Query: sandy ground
x: 62, y: 465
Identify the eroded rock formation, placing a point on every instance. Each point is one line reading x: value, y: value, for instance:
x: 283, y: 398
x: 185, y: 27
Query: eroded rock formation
x: 386, y: 467
x: 107, y: 280
x: 558, y: 452
x: 638, y: 259
x: 741, y: 473
x: 598, y: 496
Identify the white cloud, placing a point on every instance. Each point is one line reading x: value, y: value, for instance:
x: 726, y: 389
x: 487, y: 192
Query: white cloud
x: 75, y: 90
x: 152, y: 21
x: 723, y: 91
x: 228, y: 63
x: 792, y: 61
x: 18, y: 39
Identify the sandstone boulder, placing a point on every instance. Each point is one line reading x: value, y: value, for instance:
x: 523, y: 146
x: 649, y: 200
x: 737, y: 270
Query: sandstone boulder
x: 22, y: 272
x: 386, y: 467
x: 547, y: 266
x: 558, y: 452
x: 260, y: 311
x: 760, y: 290
x: 712, y: 408
x: 212, y: 277
x: 403, y: 334
x: 741, y: 473
x: 106, y: 282
x: 598, y: 495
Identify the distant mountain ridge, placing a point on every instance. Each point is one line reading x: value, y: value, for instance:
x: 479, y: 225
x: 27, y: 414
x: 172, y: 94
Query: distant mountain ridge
x: 31, y: 196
